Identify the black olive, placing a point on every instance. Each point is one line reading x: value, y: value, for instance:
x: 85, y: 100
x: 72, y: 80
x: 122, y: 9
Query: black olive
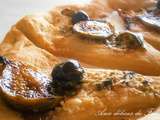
x: 57, y: 72
x: 79, y: 16
x: 158, y: 4
x: 66, y: 76
x: 73, y: 70
x: 3, y: 60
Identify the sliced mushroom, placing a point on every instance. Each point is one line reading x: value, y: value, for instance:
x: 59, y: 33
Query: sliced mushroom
x: 93, y: 29
x: 151, y: 20
x: 126, y: 40
x: 24, y: 88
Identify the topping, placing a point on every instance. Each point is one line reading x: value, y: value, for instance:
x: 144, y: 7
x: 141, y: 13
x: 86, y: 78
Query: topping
x: 126, y: 40
x: 66, y: 77
x: 145, y: 82
x: 129, y: 75
x: 79, y: 16
x: 93, y: 29
x: 158, y: 4
x: 25, y: 88
x: 151, y: 20
x: 108, y: 83
x: 104, y: 84
x: 3, y: 60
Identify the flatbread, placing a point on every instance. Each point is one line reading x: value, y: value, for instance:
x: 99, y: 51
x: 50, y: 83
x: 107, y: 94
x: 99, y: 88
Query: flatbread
x: 52, y: 31
x: 40, y: 40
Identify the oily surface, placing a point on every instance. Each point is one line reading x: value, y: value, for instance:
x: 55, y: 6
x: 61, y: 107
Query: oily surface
x: 50, y: 32
x: 106, y: 103
x: 37, y: 39
x: 17, y: 47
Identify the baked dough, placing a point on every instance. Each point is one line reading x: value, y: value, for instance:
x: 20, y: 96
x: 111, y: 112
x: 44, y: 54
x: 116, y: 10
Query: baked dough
x: 39, y: 40
x: 127, y: 93
x: 135, y: 5
x: 118, y: 102
x: 52, y: 31
x: 150, y: 34
x: 17, y: 47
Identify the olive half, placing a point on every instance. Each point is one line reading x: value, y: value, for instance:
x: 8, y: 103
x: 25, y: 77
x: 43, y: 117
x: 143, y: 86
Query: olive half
x: 67, y: 76
x: 79, y: 16
x: 126, y: 40
x: 158, y: 4
x: 151, y: 20
x: 93, y: 29
x: 24, y: 88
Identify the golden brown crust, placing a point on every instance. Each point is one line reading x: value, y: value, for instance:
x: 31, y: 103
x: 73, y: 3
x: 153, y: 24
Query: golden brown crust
x: 150, y: 34
x: 16, y: 46
x: 37, y: 39
x: 133, y: 99
x: 135, y: 5
x: 53, y: 32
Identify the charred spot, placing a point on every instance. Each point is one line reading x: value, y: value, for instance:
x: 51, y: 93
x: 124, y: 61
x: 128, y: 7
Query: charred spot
x: 129, y: 75
x: 106, y: 84
x: 145, y: 82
